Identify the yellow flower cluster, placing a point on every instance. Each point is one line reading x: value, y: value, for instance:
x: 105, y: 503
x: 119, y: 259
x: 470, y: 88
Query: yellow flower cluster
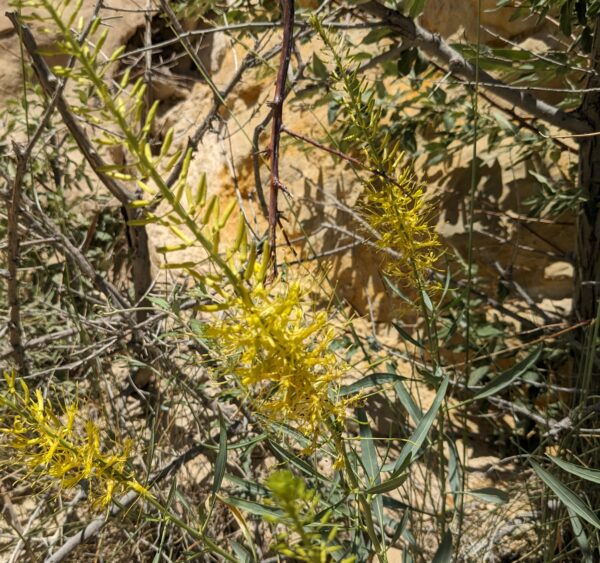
x: 281, y: 355
x: 399, y: 213
x: 393, y: 203
x: 60, y: 445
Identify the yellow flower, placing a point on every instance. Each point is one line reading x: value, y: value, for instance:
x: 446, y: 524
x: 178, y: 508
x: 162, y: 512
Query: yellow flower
x: 61, y: 445
x: 281, y: 354
x: 393, y: 203
x: 397, y: 210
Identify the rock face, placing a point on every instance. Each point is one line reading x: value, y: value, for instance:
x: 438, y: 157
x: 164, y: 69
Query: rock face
x: 318, y: 215
x: 457, y: 19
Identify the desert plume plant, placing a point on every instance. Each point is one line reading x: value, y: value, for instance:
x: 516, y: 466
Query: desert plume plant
x: 61, y: 444
x: 393, y: 202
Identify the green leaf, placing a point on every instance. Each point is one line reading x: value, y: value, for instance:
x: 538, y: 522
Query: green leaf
x: 417, y: 438
x: 160, y: 303
x: 369, y: 458
x: 388, y: 485
x: 565, y: 18
x: 371, y: 380
x: 406, y: 336
x: 395, y: 480
x: 490, y: 494
x: 455, y: 472
x: 427, y: 301
x: 567, y: 496
x: 580, y: 537
x: 477, y: 375
x: 408, y: 402
x: 505, y: 379
x: 319, y: 68
x: 221, y: 461
x: 376, y: 34
x: 444, y: 551
x: 298, y: 462
x: 416, y: 8
x: 240, y: 552
x: 406, y: 61
x: 592, y: 475
x: 255, y: 508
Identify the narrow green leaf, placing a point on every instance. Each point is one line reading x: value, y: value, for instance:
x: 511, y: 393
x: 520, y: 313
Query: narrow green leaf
x: 368, y: 455
x: 420, y: 433
x: 444, y: 551
x: 408, y: 402
x: 296, y: 461
x: 395, y: 480
x: 506, y: 378
x: 455, y: 473
x: 406, y: 336
x: 221, y: 461
x: 388, y: 485
x: 395, y: 289
x: 427, y: 301
x: 371, y: 380
x: 592, y: 475
x: 580, y: 537
x: 254, y: 508
x: 416, y: 8
x: 567, y: 496
x: 240, y: 552
x: 490, y: 494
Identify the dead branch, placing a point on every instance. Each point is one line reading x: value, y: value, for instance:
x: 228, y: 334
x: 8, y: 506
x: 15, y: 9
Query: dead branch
x: 15, y: 330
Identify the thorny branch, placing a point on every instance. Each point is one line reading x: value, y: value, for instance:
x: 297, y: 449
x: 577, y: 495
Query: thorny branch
x: 277, y: 109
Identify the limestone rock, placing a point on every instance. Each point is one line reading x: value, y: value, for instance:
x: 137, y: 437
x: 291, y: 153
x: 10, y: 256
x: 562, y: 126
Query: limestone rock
x: 458, y: 19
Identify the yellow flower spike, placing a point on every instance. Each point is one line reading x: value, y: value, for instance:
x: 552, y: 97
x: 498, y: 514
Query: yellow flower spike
x: 9, y: 377
x: 280, y: 353
x: 60, y: 445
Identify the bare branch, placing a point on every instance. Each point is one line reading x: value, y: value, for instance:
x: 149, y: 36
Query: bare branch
x: 138, y: 237
x: 287, y: 7
x: 15, y: 330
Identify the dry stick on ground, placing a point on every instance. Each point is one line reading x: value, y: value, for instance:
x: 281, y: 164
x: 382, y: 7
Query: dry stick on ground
x: 287, y: 7
x: 141, y: 265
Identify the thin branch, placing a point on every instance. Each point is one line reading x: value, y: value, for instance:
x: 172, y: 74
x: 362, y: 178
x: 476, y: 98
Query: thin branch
x: 287, y: 7
x: 13, y: 242
x: 138, y: 236
x: 414, y: 35
x: 15, y: 329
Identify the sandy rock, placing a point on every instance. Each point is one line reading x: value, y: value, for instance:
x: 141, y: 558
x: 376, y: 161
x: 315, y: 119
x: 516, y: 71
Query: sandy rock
x: 458, y: 19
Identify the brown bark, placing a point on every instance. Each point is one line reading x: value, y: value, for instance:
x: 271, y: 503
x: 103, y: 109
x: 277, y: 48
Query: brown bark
x: 287, y: 7
x: 587, y: 254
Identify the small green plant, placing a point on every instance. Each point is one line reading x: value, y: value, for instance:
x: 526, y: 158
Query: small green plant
x: 307, y: 535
